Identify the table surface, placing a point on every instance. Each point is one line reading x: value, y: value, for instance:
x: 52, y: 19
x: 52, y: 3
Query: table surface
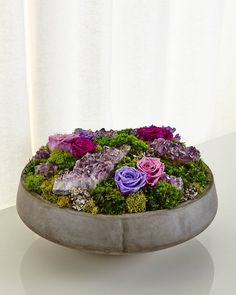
x: 204, y: 265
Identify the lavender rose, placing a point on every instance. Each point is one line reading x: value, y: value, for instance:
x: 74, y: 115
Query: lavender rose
x: 153, y: 167
x: 129, y: 180
x: 76, y: 145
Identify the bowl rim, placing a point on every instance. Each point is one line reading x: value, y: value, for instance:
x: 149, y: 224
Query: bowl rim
x: 124, y: 215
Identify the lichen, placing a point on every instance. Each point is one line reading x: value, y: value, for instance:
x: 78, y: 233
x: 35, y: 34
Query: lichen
x: 91, y: 207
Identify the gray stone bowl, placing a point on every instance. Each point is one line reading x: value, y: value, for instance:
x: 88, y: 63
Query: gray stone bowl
x: 117, y: 234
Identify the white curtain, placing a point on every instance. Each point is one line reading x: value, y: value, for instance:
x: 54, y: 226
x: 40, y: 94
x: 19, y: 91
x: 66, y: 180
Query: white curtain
x: 113, y: 64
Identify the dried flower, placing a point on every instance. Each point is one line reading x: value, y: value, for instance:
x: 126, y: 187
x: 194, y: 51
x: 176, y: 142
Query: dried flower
x: 190, y: 193
x: 79, y: 197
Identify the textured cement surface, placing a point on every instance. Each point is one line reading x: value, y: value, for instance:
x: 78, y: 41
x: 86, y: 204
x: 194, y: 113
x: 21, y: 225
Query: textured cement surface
x: 120, y: 234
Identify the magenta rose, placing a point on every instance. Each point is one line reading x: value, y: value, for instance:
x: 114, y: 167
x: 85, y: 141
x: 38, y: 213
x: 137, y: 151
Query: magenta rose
x: 152, y: 132
x: 153, y: 167
x: 76, y: 145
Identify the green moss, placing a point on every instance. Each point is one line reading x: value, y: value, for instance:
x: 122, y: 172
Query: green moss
x: 137, y: 145
x: 33, y: 182
x: 125, y: 131
x: 91, y: 207
x: 162, y: 196
x: 29, y: 168
x: 126, y: 161
x: 136, y: 202
x: 108, y: 199
x: 62, y: 159
x: 195, y: 172
x: 98, y: 148
x: 47, y: 187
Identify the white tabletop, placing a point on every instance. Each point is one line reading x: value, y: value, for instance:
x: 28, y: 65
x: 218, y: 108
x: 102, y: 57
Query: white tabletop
x: 204, y: 265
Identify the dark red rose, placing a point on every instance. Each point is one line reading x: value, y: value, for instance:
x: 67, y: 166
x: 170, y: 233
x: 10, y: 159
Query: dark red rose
x: 152, y: 132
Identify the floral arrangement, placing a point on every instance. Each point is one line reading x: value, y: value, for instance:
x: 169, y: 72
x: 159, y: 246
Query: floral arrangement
x: 117, y: 172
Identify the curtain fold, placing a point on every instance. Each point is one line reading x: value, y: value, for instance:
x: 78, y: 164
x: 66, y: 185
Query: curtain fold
x: 113, y: 64
x: 15, y: 146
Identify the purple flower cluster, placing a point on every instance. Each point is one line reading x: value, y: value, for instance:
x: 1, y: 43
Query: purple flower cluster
x: 174, y: 150
x: 176, y: 181
x: 45, y: 169
x: 172, y: 130
x: 129, y: 180
x: 90, y: 170
x: 89, y: 134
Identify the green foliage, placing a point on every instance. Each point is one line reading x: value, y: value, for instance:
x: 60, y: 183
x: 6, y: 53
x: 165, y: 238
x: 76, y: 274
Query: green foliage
x: 29, y: 168
x: 195, y: 172
x: 62, y: 159
x: 33, y: 182
x: 136, y: 202
x: 162, y: 196
x: 91, y: 207
x: 137, y: 145
x: 126, y: 161
x: 108, y: 199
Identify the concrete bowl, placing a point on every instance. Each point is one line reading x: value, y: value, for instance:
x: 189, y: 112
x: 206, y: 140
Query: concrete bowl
x: 117, y: 234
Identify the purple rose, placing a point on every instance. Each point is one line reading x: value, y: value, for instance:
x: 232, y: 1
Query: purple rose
x: 76, y: 145
x: 152, y: 132
x: 129, y: 180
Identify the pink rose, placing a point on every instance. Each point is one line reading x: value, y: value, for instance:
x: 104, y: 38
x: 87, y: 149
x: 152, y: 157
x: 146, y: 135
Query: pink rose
x: 153, y: 167
x: 76, y: 145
